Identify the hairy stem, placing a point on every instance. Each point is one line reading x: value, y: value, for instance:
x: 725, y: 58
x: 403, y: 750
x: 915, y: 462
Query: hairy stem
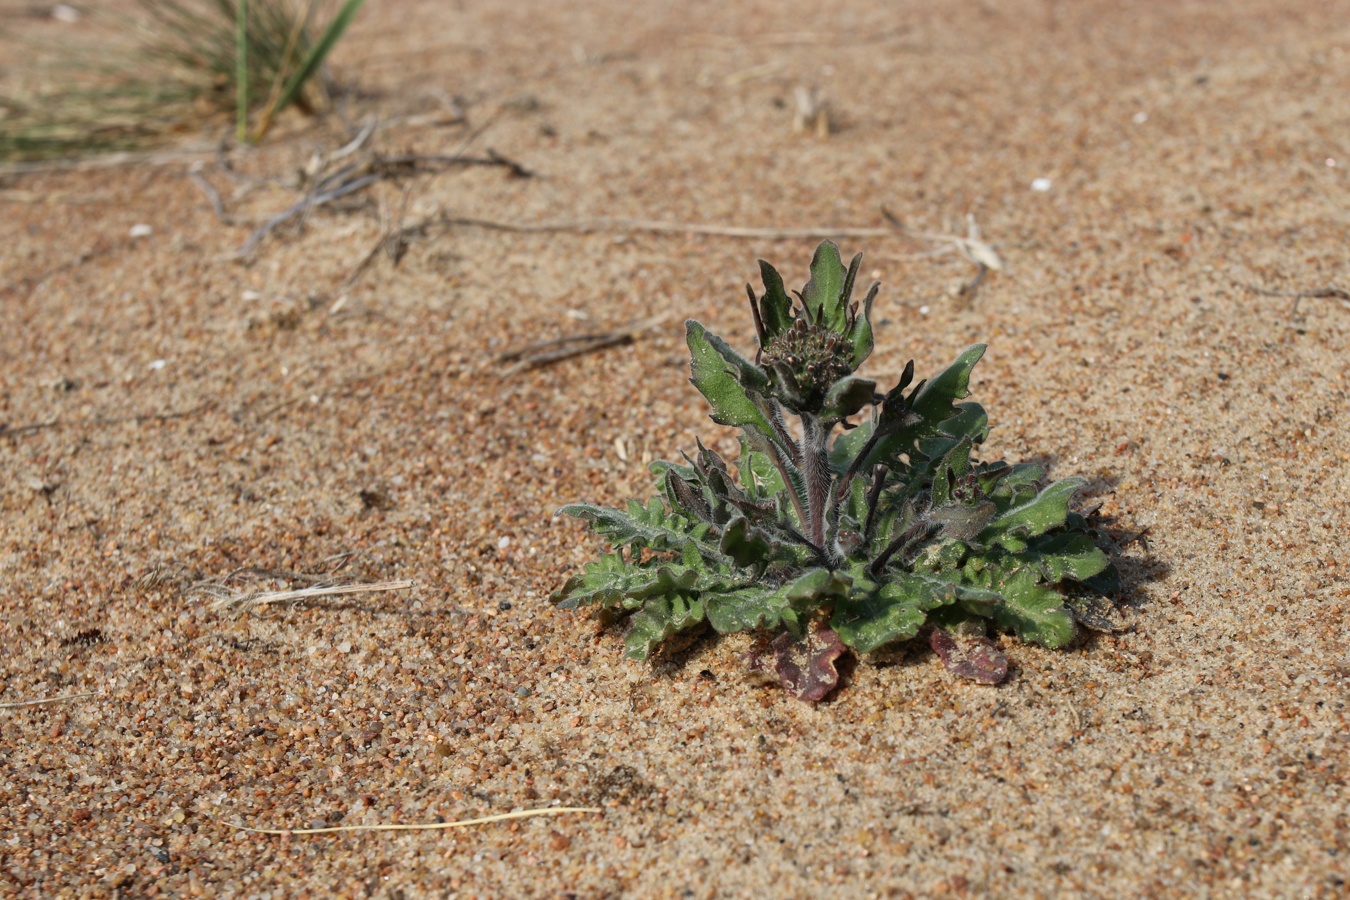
x: 775, y: 454
x: 816, y: 472
x: 915, y: 532
x: 873, y: 497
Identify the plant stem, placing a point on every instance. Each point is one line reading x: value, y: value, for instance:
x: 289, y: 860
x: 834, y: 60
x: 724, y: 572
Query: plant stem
x: 816, y: 472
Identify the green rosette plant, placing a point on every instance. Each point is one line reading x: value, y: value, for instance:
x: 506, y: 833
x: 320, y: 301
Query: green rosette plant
x: 829, y: 535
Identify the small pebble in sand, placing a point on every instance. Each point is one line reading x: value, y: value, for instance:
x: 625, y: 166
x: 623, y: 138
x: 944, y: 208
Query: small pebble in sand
x: 142, y: 230
x: 1040, y: 184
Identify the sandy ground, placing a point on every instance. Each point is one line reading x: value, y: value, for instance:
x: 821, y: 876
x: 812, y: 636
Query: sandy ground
x: 173, y: 416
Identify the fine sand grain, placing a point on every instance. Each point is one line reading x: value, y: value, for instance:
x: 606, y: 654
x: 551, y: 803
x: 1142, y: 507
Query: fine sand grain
x: 179, y: 426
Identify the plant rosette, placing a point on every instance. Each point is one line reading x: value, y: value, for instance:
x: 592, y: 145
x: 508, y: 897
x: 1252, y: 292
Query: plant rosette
x: 830, y: 536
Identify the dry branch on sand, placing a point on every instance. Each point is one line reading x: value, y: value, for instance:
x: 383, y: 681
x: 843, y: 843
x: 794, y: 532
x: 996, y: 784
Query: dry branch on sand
x: 42, y: 701
x: 227, y: 599
x: 424, y: 826
x: 543, y: 353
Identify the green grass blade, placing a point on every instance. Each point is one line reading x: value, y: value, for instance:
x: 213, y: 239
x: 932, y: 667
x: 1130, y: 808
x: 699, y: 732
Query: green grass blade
x: 319, y: 51
x: 241, y: 71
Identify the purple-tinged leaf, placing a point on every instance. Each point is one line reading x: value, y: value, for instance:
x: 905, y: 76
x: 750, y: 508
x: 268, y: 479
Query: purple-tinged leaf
x: 975, y: 658
x: 804, y: 666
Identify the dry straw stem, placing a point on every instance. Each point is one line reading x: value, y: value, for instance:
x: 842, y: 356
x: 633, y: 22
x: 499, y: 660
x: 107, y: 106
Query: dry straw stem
x: 428, y: 826
x: 46, y: 700
x: 543, y: 353
x: 1323, y: 293
x: 584, y: 226
x: 241, y: 601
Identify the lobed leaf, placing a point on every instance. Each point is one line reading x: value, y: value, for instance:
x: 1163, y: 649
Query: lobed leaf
x: 894, y: 613
x: 1048, y: 509
x: 847, y: 397
x: 659, y: 619
x: 1067, y: 555
x: 1035, y: 612
x: 641, y: 526
x: 775, y: 308
x: 610, y: 581
x: 757, y: 606
x: 746, y: 545
x: 721, y: 376
x: 823, y: 294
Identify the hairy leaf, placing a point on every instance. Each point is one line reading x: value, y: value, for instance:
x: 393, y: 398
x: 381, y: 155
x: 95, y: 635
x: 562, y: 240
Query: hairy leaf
x: 1066, y: 555
x: 722, y: 376
x: 658, y: 620
x: 641, y: 526
x: 894, y: 613
x: 611, y: 581
x: 774, y: 306
x: 1045, y: 511
x: 746, y: 545
x: 1034, y: 612
x: 768, y: 607
x: 823, y: 294
x: 847, y: 397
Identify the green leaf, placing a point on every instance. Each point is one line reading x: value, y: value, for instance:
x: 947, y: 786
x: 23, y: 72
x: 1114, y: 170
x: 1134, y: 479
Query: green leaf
x: 848, y: 444
x: 1045, y: 511
x: 1035, y: 612
x: 660, y: 618
x: 749, y: 608
x: 641, y: 526
x: 954, y: 464
x: 931, y: 427
x: 963, y: 523
x: 612, y: 581
x: 823, y: 294
x: 319, y: 52
x: 759, y: 476
x: 721, y: 376
x: 894, y: 613
x: 1021, y: 480
x: 860, y: 335
x: 1067, y: 555
x: 747, y: 546
x: 775, y: 308
x: 935, y: 399
x: 819, y: 585
x: 847, y: 396
x: 977, y: 600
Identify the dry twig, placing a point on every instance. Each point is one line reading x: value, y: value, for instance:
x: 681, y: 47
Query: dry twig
x: 14, y: 431
x: 427, y: 826
x: 240, y: 601
x: 46, y: 700
x: 972, y: 247
x: 543, y: 353
x: 586, y: 226
x: 356, y: 176
x: 1330, y: 293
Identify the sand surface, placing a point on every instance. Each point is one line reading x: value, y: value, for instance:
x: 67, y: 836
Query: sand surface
x: 172, y: 416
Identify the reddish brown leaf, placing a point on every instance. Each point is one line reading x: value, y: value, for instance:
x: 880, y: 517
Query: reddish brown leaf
x: 805, y: 667
x: 975, y: 658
